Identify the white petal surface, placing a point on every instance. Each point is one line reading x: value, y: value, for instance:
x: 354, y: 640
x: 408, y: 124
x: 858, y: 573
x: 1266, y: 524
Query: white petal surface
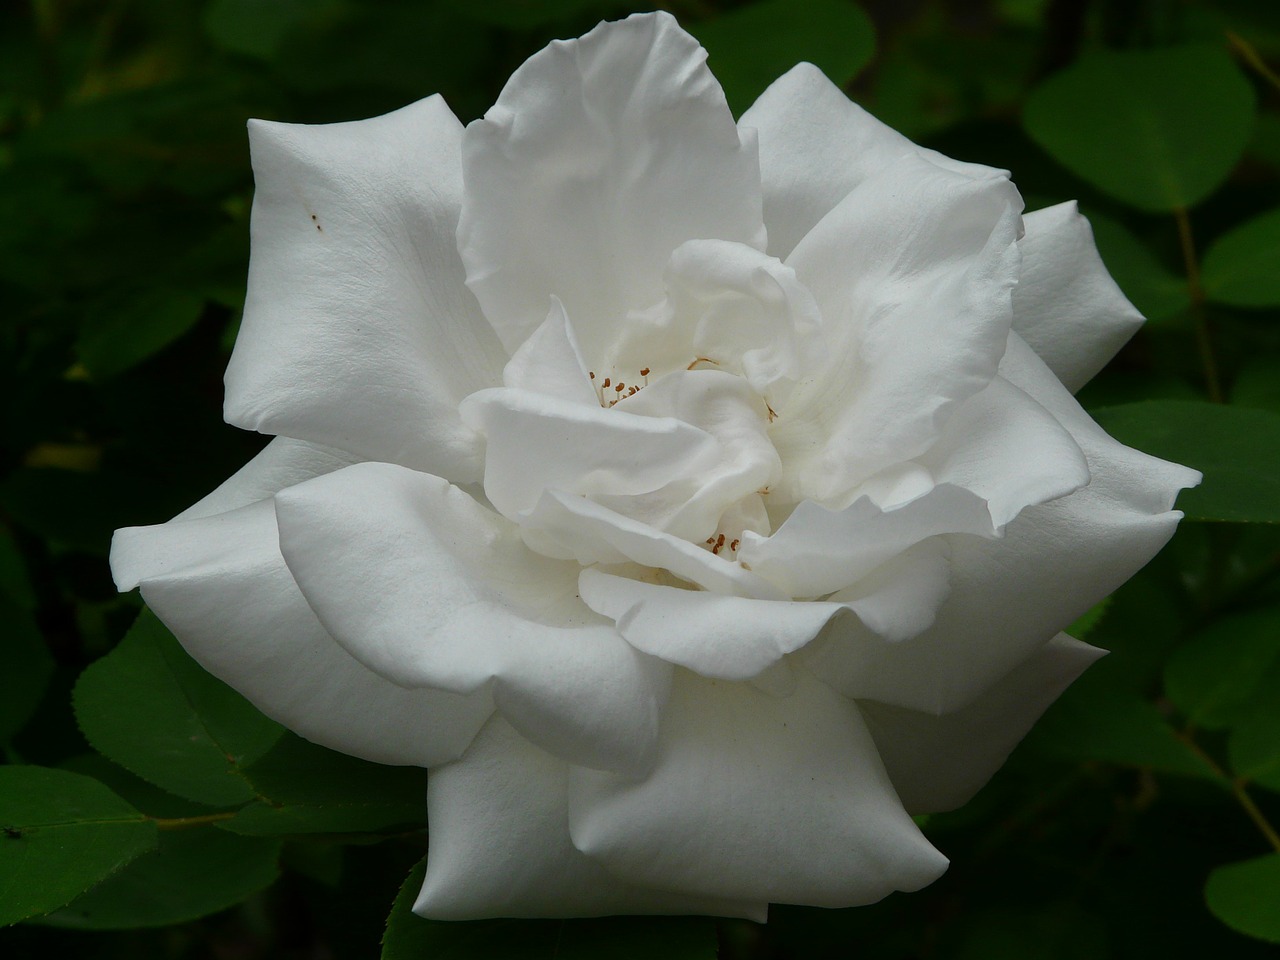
x: 913, y: 272
x: 816, y: 145
x: 359, y: 332
x: 758, y: 798
x: 938, y: 763
x: 500, y: 845
x: 220, y: 584
x: 1011, y: 596
x: 551, y: 363
x: 429, y: 588
x: 601, y: 156
x: 1066, y: 305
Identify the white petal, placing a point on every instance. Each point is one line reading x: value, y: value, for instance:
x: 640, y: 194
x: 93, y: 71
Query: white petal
x: 913, y: 272
x: 220, y: 584
x: 551, y: 363
x: 601, y: 156
x: 500, y: 845
x: 1066, y: 305
x: 427, y: 587
x: 757, y: 797
x: 1011, y: 596
x: 816, y: 146
x: 359, y: 332
x: 938, y: 763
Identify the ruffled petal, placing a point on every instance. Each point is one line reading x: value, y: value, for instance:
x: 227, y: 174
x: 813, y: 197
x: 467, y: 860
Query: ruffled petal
x: 601, y: 156
x: 759, y: 798
x: 938, y: 763
x: 219, y: 583
x: 1066, y: 305
x: 1010, y: 596
x: 816, y: 146
x: 500, y: 845
x: 429, y: 588
x: 913, y: 272
x: 359, y: 332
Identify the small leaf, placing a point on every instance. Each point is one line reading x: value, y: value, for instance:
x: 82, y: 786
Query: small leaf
x: 1216, y: 674
x: 152, y: 709
x: 1246, y: 896
x: 1158, y: 129
x: 752, y: 46
x: 1237, y: 449
x: 63, y: 833
x: 304, y: 788
x: 410, y: 937
x: 1241, y: 267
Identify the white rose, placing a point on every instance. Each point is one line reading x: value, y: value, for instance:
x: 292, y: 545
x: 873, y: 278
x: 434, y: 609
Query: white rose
x: 698, y: 500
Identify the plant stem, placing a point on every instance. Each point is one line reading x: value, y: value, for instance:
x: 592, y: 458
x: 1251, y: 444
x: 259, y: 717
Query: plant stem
x: 1249, y: 54
x: 181, y: 823
x: 1196, y: 292
x: 1238, y: 790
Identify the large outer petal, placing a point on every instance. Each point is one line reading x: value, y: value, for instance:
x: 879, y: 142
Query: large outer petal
x: 1011, y: 596
x: 359, y: 331
x: 219, y: 583
x: 1066, y: 305
x: 937, y: 762
x: 816, y: 146
x: 756, y: 797
x: 429, y: 588
x: 913, y: 272
x: 601, y: 156
x: 500, y: 845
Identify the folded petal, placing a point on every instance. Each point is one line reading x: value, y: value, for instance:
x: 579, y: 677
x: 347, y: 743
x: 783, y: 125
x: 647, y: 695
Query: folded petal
x: 359, y: 332
x: 601, y: 156
x: 500, y: 845
x: 759, y: 798
x: 938, y: 762
x: 913, y: 272
x: 550, y: 362
x: 1010, y: 596
x: 816, y: 145
x: 219, y: 583
x: 1066, y: 305
x: 429, y: 588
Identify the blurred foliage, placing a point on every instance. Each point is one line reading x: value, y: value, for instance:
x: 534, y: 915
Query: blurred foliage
x: 1136, y: 821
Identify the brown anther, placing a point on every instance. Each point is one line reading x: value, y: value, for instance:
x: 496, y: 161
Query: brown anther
x: 591, y: 374
x: 606, y: 382
x: 644, y: 371
x: 734, y: 545
x: 772, y: 416
x: 632, y: 390
x: 719, y: 545
x: 620, y: 387
x: 710, y: 540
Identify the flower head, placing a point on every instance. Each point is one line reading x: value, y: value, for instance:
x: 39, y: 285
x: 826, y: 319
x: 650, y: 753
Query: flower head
x: 697, y: 499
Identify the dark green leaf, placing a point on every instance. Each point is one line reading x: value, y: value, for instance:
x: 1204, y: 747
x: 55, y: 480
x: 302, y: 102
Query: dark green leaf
x: 253, y: 28
x: 1155, y: 291
x: 27, y: 667
x: 122, y: 335
x: 1254, y: 746
x: 152, y: 709
x: 63, y: 833
x: 752, y: 46
x: 305, y: 788
x: 523, y: 14
x: 1158, y: 129
x: 1246, y: 896
x: 1217, y: 673
x: 193, y: 872
x: 410, y: 937
x: 1237, y: 449
x: 1242, y: 267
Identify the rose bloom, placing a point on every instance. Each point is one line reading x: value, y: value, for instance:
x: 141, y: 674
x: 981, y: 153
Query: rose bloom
x: 698, y: 500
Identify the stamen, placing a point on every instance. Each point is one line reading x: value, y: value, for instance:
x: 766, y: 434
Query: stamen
x: 772, y: 415
x: 698, y: 360
x: 734, y: 545
x: 719, y: 545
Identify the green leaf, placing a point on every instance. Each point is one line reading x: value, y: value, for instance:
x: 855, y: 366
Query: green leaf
x: 255, y: 29
x: 152, y: 709
x: 1242, y: 267
x: 1085, y: 623
x: 1245, y: 896
x: 305, y: 788
x: 194, y: 872
x: 28, y: 666
x: 522, y: 14
x: 120, y: 336
x: 1237, y: 449
x: 410, y: 937
x: 63, y: 833
x: 752, y: 46
x: 1254, y: 746
x: 1158, y: 129
x: 1217, y: 673
x: 1155, y: 290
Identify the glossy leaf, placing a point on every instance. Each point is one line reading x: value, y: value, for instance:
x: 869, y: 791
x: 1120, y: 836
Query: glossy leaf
x: 152, y: 709
x: 1215, y: 675
x: 1245, y: 896
x: 1237, y: 449
x: 1157, y: 129
x: 1242, y: 267
x: 63, y: 833
x: 752, y: 46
